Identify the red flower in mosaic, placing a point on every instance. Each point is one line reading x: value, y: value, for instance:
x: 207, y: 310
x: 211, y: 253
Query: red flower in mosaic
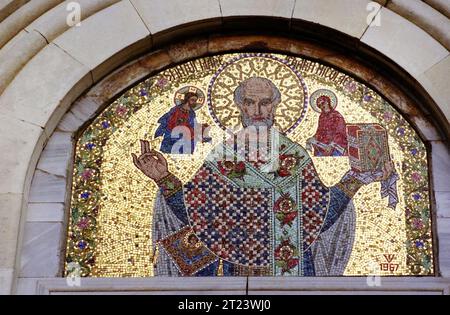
x: 288, y: 163
x: 416, y: 177
x: 162, y: 82
x: 232, y: 169
x: 225, y: 167
x: 240, y: 167
x: 283, y: 172
x: 285, y: 210
x: 83, y: 223
x: 286, y: 256
x: 87, y: 174
x: 417, y: 223
x: 121, y: 110
x: 284, y: 204
x: 351, y: 87
x: 387, y: 116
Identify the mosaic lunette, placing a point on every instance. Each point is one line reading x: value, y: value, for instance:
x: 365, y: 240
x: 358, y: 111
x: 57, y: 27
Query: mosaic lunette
x: 115, y: 207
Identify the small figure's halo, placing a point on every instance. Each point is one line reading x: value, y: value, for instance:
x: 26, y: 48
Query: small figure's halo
x: 179, y: 96
x: 322, y: 92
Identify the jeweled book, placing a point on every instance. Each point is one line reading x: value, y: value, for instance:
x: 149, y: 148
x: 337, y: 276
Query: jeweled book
x: 367, y: 146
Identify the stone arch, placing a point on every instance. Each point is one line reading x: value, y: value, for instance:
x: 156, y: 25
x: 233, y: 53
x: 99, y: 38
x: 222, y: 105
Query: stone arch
x: 70, y: 61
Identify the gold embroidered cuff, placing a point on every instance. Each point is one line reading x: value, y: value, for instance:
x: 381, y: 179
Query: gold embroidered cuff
x: 169, y: 185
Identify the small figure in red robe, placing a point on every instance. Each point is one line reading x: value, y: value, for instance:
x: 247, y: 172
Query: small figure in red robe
x: 331, y: 135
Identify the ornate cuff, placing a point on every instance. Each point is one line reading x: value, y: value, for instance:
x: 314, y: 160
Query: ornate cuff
x: 169, y: 185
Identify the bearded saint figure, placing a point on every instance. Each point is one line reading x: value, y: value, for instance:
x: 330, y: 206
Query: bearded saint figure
x: 253, y: 209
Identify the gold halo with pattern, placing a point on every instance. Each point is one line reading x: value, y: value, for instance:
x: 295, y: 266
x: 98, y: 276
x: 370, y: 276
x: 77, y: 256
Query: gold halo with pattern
x: 179, y: 96
x: 294, y: 94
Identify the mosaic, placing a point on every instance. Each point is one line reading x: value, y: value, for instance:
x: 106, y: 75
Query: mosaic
x: 250, y: 165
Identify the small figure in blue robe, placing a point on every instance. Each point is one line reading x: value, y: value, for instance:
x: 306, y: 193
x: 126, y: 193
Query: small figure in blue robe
x: 179, y: 126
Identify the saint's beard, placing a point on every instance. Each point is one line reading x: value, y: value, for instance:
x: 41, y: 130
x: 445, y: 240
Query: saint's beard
x: 249, y: 122
x: 257, y: 138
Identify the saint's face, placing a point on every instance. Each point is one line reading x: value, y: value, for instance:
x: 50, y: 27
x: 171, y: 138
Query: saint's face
x: 324, y: 104
x: 258, y: 106
x: 192, y: 101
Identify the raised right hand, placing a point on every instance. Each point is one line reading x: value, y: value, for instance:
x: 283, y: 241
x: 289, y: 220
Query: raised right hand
x: 152, y: 163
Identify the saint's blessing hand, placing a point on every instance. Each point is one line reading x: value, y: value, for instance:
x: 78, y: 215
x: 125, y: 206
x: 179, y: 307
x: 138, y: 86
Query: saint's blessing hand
x: 151, y: 162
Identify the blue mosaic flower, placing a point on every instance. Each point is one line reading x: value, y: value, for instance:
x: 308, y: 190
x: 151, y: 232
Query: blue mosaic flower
x: 143, y: 93
x: 414, y: 152
x: 90, y: 146
x: 106, y: 125
x: 419, y: 244
x: 85, y: 195
x: 82, y: 244
x: 401, y: 131
x: 367, y: 98
x: 417, y: 197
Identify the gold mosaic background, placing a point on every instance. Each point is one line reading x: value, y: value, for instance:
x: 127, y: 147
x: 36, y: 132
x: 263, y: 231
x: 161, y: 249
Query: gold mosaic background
x: 123, y: 223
